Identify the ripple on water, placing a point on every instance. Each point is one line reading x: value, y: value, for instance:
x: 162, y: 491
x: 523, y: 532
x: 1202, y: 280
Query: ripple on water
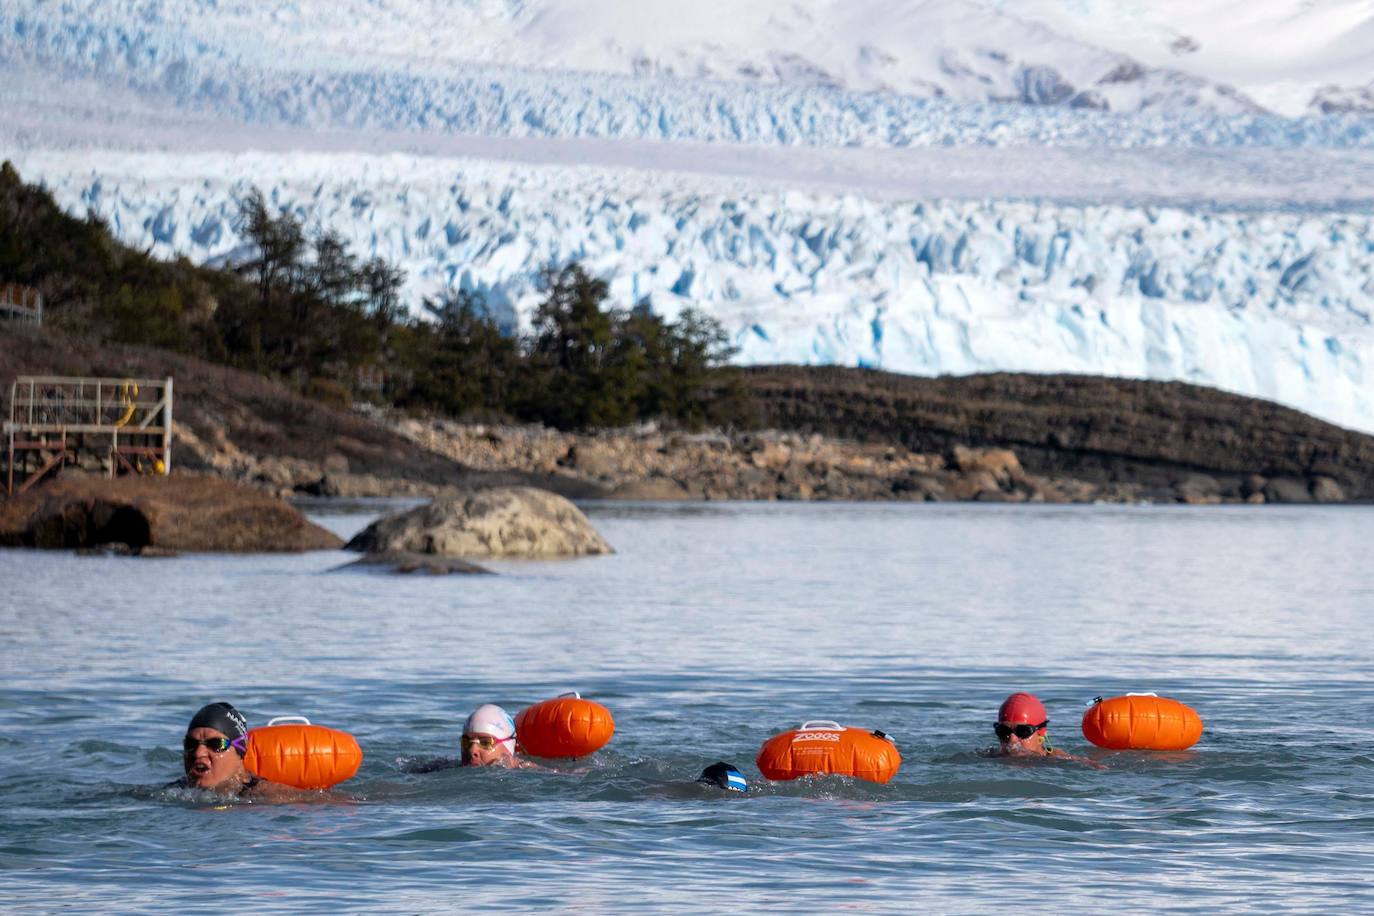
x: 711, y: 629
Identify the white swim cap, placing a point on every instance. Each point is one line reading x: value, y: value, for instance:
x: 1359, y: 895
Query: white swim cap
x: 490, y: 719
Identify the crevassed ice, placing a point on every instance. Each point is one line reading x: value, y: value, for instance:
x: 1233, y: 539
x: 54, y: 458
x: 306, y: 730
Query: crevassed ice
x: 1274, y: 305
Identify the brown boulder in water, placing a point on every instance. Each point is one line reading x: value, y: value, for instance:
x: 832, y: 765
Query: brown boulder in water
x: 182, y: 513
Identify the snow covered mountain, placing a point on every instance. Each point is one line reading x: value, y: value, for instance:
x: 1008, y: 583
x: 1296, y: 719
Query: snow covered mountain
x: 1284, y: 55
x: 1060, y: 185
x: 1126, y: 55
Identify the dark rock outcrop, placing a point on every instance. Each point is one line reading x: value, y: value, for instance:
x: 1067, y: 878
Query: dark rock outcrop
x: 182, y: 513
x: 659, y: 489
x: 406, y: 563
x: 1102, y: 430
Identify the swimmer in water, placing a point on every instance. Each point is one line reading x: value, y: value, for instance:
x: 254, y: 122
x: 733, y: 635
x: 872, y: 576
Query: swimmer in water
x: 725, y: 776
x: 1021, y: 730
x: 212, y: 753
x: 489, y: 739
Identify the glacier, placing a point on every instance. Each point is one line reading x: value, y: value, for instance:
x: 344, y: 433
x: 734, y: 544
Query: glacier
x: 1273, y: 304
x: 945, y: 186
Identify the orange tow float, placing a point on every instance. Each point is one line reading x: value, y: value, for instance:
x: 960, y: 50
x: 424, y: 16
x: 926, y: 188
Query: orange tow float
x: 822, y: 746
x: 300, y: 754
x: 566, y: 726
x: 1141, y: 721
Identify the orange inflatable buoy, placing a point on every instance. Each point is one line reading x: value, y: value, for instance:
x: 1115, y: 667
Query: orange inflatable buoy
x: 828, y: 747
x: 1141, y: 721
x: 302, y: 755
x: 566, y: 726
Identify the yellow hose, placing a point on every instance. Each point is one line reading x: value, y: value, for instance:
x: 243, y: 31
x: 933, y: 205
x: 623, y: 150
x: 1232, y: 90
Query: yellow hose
x: 129, y: 392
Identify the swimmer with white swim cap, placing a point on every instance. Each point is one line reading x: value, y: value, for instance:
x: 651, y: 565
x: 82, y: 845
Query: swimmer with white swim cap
x: 488, y: 738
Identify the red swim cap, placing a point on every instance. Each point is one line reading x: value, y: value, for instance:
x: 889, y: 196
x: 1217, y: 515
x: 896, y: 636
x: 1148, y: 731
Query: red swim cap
x: 1022, y: 708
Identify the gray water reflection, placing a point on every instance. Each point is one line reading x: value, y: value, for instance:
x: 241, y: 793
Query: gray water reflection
x: 713, y: 627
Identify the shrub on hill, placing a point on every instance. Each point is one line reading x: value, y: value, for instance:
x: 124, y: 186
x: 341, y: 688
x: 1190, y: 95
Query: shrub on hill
x: 305, y: 308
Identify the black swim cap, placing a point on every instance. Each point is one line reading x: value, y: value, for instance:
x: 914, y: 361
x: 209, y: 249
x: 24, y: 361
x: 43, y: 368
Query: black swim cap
x: 223, y: 718
x: 725, y: 775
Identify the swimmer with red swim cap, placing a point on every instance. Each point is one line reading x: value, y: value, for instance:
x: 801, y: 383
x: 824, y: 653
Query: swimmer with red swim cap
x: 1021, y: 730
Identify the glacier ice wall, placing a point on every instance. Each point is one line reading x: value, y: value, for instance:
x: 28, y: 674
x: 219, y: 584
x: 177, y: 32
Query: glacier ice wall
x: 1270, y: 304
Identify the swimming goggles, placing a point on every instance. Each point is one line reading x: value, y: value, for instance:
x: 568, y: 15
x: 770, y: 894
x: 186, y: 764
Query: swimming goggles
x: 485, y: 742
x: 1021, y: 731
x: 215, y: 745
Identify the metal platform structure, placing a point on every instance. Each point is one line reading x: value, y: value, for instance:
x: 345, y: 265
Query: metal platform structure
x: 20, y: 303
x: 110, y: 425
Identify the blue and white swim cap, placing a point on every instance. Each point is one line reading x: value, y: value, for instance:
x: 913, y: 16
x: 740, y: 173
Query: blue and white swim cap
x: 725, y: 775
x: 490, y: 719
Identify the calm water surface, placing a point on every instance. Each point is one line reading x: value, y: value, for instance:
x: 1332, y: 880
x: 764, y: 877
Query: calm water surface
x: 714, y: 627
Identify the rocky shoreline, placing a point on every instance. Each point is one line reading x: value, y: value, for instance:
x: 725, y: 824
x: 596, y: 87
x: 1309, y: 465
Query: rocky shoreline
x: 650, y: 464
x: 836, y: 434
x: 646, y: 463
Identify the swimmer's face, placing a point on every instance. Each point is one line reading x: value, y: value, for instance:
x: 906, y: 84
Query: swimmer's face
x: 485, y: 750
x: 1014, y: 744
x: 208, y: 769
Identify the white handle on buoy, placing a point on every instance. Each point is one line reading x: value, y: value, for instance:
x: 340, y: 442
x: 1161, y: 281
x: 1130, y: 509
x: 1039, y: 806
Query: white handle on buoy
x: 1095, y: 700
x: 571, y: 693
x: 824, y: 724
x: 280, y: 719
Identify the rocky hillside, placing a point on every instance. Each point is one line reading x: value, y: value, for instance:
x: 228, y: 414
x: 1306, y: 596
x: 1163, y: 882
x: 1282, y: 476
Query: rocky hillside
x: 246, y: 427
x: 1154, y: 434
x: 820, y: 434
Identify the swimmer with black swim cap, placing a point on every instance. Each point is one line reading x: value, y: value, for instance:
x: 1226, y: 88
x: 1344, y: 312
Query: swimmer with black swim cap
x: 725, y: 776
x: 213, y: 749
x: 212, y: 753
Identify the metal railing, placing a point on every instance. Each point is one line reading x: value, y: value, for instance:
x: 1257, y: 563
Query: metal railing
x: 50, y: 403
x: 121, y: 424
x: 21, y: 303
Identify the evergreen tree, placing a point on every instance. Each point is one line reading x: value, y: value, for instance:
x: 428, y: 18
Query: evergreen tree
x: 584, y: 374
x: 463, y: 363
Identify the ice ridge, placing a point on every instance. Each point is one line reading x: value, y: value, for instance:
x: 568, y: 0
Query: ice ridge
x: 1275, y: 305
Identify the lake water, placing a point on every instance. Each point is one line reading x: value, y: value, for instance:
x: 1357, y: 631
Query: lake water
x: 714, y: 627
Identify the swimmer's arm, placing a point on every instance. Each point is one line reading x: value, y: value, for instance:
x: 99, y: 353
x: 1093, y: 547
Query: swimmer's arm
x: 432, y: 765
x: 1060, y: 754
x: 275, y: 792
